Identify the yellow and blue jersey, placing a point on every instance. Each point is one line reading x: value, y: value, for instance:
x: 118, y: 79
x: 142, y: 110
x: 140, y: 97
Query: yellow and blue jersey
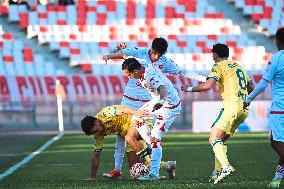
x: 232, y: 80
x: 112, y: 123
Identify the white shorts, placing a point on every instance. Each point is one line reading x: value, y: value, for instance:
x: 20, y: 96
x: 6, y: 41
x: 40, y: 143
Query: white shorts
x: 276, y: 123
x: 165, y: 116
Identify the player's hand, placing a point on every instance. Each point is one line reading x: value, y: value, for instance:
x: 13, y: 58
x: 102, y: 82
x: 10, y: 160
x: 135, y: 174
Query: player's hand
x: 141, y: 113
x: 157, y: 106
x: 245, y: 105
x: 185, y: 87
x: 105, y: 58
x: 121, y: 46
x: 89, y: 179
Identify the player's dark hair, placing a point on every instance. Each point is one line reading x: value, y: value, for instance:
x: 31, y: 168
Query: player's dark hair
x: 87, y: 123
x: 131, y: 64
x: 221, y: 50
x: 280, y: 35
x: 160, y: 45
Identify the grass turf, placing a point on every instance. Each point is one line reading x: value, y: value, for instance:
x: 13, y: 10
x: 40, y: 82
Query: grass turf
x: 67, y: 162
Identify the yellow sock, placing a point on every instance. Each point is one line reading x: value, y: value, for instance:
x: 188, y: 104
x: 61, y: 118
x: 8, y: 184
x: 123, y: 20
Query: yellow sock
x: 163, y: 165
x: 218, y: 165
x: 220, y: 151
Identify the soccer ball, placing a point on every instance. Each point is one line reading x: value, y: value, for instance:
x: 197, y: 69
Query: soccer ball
x: 137, y: 170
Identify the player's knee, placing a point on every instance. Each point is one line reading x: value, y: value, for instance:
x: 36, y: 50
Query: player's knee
x: 129, y: 139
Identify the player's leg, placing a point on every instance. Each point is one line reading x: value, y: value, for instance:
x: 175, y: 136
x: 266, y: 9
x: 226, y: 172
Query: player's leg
x: 119, y: 152
x: 279, y: 173
x: 277, y: 143
x: 164, y: 119
x: 132, y: 158
x: 132, y: 138
x: 218, y: 142
x: 131, y: 154
x: 118, y: 158
x: 223, y: 128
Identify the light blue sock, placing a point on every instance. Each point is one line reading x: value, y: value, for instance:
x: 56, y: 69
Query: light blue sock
x: 119, y: 153
x: 156, y: 158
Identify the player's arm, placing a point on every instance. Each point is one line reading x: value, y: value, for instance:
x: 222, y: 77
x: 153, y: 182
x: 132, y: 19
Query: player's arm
x: 271, y: 70
x: 209, y: 84
x: 174, y: 69
x: 98, y: 146
x: 193, y: 75
x: 119, y: 47
x: 95, y: 164
x: 163, y: 95
x: 117, y: 55
x: 260, y: 87
x: 123, y: 53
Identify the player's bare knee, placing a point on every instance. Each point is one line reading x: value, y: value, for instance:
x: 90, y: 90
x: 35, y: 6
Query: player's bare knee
x: 128, y: 139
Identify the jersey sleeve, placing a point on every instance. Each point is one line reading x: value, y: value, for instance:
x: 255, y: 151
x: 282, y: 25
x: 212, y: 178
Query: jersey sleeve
x: 98, y: 143
x: 215, y: 72
x: 270, y: 70
x: 131, y: 51
x: 169, y: 66
x: 107, y: 113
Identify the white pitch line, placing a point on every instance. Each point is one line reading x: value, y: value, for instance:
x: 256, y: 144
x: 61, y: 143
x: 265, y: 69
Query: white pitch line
x: 30, y: 157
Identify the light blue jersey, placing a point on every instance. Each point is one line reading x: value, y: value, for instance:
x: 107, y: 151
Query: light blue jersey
x: 152, y: 79
x: 134, y: 95
x: 165, y: 64
x: 275, y: 73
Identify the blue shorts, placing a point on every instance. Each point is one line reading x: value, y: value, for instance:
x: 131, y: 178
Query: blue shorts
x: 276, y: 124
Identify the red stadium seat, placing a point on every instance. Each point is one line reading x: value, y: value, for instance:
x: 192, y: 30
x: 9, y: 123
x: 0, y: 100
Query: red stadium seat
x: 87, y: 68
x: 182, y: 44
x: 73, y: 37
x: 64, y: 44
x: 7, y: 36
x: 142, y: 44
x: 75, y: 51
x: 133, y: 37
x: 24, y: 21
x: 212, y: 37
x: 43, y: 29
x: 103, y: 44
x: 8, y: 58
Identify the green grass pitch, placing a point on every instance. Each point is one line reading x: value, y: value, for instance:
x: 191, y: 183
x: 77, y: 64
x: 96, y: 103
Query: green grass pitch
x: 66, y: 162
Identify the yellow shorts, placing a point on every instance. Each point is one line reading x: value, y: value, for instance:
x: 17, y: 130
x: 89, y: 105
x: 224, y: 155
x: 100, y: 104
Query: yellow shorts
x: 229, y: 119
x: 130, y: 149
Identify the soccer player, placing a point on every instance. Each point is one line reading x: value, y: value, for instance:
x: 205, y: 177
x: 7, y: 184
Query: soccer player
x: 165, y: 106
x: 116, y: 119
x: 135, y: 96
x: 234, y: 85
x: 274, y: 73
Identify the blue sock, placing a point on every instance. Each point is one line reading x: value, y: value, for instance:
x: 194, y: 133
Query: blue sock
x: 156, y: 158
